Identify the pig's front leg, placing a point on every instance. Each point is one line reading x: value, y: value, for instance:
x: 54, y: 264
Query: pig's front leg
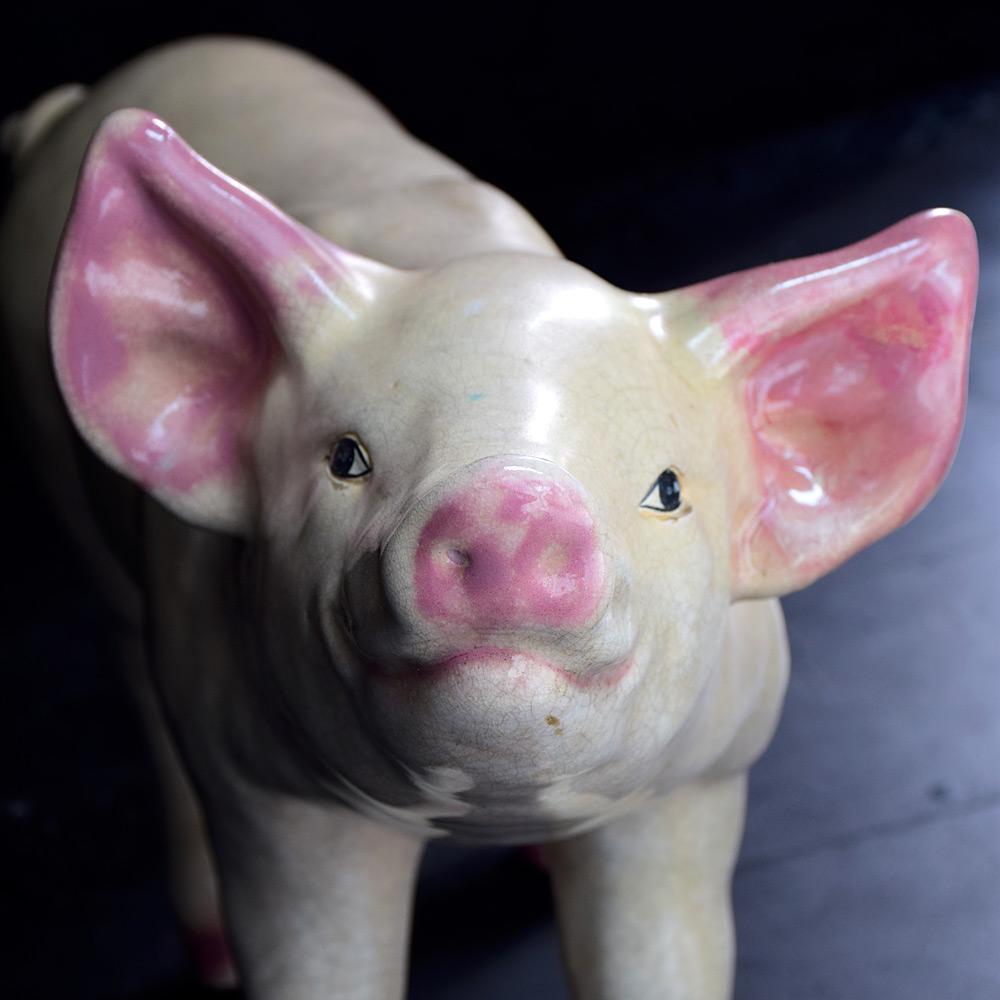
x: 644, y: 902
x: 318, y: 899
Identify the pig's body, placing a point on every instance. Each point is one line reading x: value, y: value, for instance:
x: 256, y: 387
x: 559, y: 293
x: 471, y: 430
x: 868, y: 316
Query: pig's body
x: 615, y: 721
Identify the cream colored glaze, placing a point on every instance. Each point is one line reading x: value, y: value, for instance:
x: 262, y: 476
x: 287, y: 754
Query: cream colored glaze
x: 341, y: 670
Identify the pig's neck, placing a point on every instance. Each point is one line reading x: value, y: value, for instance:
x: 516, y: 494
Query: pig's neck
x: 429, y: 224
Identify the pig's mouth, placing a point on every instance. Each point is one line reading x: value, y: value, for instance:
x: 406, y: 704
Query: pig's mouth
x: 517, y: 661
x: 597, y: 657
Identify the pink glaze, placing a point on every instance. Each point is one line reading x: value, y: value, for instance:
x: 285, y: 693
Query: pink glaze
x: 511, y: 548
x: 502, y: 657
x: 164, y: 309
x: 534, y: 854
x: 211, y: 956
x: 854, y: 367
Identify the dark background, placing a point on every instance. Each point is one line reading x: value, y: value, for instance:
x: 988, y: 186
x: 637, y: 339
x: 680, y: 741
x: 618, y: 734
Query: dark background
x: 658, y: 150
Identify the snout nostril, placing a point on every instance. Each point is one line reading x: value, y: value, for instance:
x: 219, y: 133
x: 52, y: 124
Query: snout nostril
x: 459, y: 557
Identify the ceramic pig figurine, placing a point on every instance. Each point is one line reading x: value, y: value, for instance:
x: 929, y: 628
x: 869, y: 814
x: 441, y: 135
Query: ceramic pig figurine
x: 430, y: 531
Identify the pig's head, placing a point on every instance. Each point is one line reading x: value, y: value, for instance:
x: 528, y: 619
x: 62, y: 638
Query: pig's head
x: 496, y: 511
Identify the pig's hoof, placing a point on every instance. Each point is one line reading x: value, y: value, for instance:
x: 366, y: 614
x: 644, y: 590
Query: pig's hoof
x: 211, y: 957
x: 534, y: 855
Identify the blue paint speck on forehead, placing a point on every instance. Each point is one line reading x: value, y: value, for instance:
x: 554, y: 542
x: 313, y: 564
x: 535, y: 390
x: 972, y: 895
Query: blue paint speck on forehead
x: 474, y: 397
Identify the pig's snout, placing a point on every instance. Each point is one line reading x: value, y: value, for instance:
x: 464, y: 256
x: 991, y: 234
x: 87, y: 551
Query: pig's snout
x: 513, y: 548
x: 506, y: 547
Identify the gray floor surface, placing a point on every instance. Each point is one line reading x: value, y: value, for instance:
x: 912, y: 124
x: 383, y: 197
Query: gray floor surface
x: 871, y: 865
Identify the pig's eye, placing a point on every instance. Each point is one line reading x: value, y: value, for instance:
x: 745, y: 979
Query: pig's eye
x: 349, y: 460
x: 665, y: 495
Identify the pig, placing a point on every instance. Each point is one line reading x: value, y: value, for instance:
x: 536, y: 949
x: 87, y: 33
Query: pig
x: 414, y: 528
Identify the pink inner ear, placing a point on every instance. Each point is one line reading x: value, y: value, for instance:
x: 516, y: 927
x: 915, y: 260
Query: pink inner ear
x: 162, y: 347
x: 855, y: 413
x: 165, y: 304
x: 846, y: 425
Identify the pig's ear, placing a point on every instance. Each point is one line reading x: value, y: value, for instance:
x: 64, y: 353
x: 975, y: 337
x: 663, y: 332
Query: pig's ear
x: 850, y: 374
x: 177, y: 295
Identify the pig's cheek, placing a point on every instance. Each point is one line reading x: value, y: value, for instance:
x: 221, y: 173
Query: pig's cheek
x: 680, y: 592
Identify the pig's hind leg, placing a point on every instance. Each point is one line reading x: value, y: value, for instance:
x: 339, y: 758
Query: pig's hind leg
x: 193, y: 880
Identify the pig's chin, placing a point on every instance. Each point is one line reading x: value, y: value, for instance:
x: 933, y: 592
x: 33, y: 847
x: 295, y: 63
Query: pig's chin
x: 507, y: 744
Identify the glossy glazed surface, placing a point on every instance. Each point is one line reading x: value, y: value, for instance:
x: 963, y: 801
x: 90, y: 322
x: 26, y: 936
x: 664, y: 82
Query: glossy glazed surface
x: 853, y: 366
x: 213, y: 348
x: 499, y: 625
